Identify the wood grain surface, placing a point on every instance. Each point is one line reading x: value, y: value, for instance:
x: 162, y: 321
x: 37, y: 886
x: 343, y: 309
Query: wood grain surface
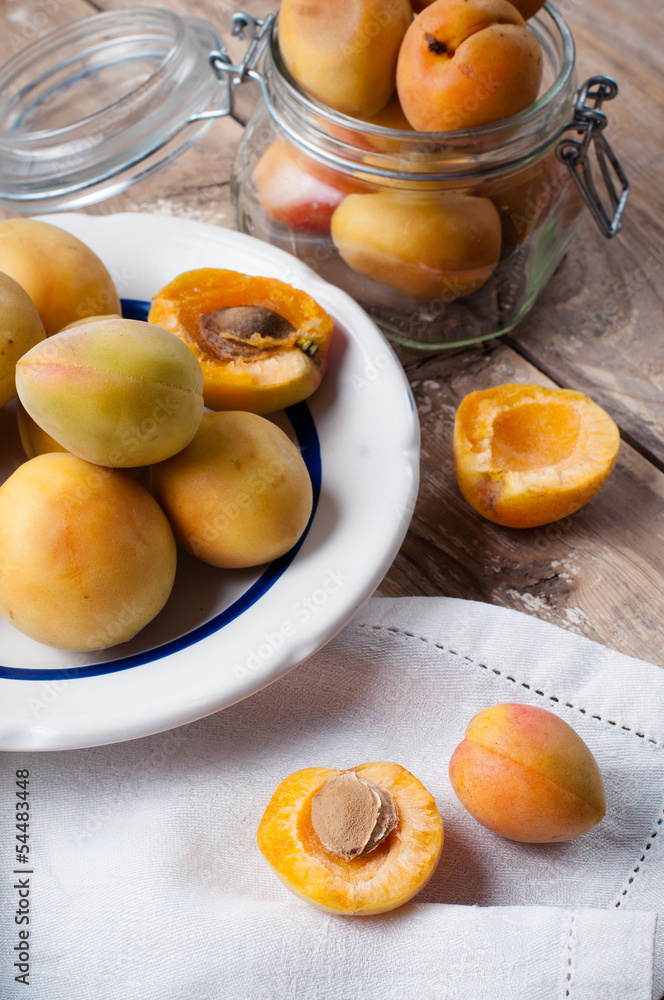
x: 597, y: 327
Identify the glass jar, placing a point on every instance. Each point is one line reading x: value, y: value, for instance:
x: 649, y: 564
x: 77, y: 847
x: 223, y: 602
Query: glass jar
x: 446, y: 238
x: 102, y: 103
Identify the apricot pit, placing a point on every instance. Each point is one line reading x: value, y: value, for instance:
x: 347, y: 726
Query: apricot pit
x: 262, y: 344
x: 356, y: 842
x: 352, y: 815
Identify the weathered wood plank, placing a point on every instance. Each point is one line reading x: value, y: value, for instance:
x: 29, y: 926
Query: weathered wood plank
x: 598, y: 325
x: 196, y: 185
x: 26, y: 21
x: 598, y: 572
x: 633, y: 29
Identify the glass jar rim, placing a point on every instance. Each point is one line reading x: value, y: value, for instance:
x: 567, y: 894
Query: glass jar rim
x: 497, y: 147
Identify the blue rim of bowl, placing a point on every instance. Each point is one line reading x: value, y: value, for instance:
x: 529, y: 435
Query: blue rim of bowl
x: 307, y: 439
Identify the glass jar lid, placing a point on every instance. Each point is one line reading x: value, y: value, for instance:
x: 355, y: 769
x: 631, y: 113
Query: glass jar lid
x: 102, y: 103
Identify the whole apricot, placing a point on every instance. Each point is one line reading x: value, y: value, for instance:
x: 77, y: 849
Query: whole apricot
x: 262, y: 344
x: 390, y: 116
x: 63, y: 277
x: 87, y: 557
x: 20, y: 329
x: 526, y: 774
x: 527, y: 8
x: 35, y: 441
x: 427, y: 246
x: 355, y: 842
x: 525, y: 455
x: 116, y: 392
x: 289, y: 188
x: 465, y: 63
x: 239, y: 494
x: 344, y: 52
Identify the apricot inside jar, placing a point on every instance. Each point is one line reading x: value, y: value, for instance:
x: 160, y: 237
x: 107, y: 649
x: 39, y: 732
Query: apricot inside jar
x: 355, y: 842
x: 262, y: 344
x: 525, y: 455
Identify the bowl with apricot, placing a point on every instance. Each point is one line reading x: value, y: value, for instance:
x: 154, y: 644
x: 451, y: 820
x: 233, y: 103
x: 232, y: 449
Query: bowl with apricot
x: 188, y: 491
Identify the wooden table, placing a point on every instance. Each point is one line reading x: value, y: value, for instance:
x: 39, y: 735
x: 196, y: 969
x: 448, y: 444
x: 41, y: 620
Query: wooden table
x: 598, y: 327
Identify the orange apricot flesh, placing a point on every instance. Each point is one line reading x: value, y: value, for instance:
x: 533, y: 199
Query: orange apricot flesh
x: 525, y: 455
x: 261, y: 374
x: 382, y: 880
x: 526, y: 774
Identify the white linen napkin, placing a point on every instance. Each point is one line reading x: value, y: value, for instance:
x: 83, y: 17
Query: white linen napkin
x: 146, y: 882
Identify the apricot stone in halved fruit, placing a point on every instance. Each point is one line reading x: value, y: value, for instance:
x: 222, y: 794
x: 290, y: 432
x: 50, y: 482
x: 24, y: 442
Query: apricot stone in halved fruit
x: 262, y: 344
x: 356, y: 842
x: 526, y: 456
x: 525, y: 773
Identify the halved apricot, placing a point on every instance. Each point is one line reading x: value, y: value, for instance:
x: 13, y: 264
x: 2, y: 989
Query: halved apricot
x: 525, y: 455
x: 262, y: 344
x: 355, y: 842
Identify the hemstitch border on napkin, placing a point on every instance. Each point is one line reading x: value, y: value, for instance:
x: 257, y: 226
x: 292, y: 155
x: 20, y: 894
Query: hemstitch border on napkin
x: 501, y: 673
x: 657, y: 825
x: 570, y: 951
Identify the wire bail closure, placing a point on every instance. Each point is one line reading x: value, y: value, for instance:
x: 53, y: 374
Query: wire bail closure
x: 257, y: 32
x: 590, y: 121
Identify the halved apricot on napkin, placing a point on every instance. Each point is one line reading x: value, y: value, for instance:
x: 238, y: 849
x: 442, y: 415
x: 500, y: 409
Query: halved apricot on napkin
x: 526, y: 456
x: 526, y: 774
x: 357, y: 842
x: 262, y: 344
